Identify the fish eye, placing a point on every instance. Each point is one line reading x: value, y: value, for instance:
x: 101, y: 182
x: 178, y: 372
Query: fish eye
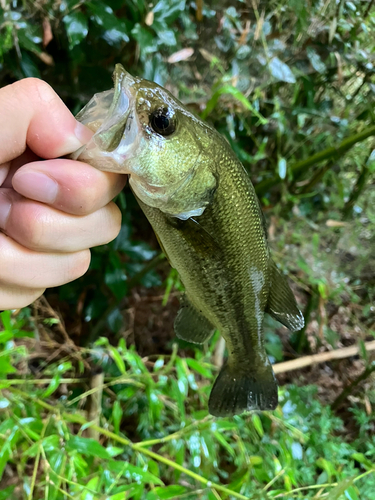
x: 162, y: 121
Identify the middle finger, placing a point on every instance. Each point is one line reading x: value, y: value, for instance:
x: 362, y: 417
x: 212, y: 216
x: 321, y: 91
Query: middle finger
x: 71, y: 186
x: 41, y: 228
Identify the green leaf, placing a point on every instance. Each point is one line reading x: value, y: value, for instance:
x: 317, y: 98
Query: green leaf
x: 360, y: 457
x: 120, y: 495
x: 351, y: 493
x: 103, y: 15
x: 145, y: 38
x: 53, y: 386
x: 4, y: 457
x: 167, y: 37
x: 238, y: 95
x: 133, y: 472
x: 169, y: 11
x: 25, y: 40
x: 362, y: 350
x: 76, y: 27
x: 93, y: 486
x: 115, y: 278
x: 7, y: 493
x: 87, y: 446
x: 117, y: 416
x: 49, y: 443
x: 257, y: 424
x: 114, y: 450
x: 198, y: 367
x: 28, y: 66
x: 339, y: 490
x: 281, y: 165
x: 5, y: 317
x: 281, y: 71
x: 224, y: 443
x: 117, y: 359
x: 315, y: 60
x: 255, y: 460
x: 5, y: 336
x: 166, y: 492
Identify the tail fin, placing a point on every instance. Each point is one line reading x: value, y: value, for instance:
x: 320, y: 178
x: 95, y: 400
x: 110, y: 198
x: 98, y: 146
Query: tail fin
x: 236, y: 391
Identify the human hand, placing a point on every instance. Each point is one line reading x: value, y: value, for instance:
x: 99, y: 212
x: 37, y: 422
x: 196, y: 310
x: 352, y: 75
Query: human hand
x: 51, y: 211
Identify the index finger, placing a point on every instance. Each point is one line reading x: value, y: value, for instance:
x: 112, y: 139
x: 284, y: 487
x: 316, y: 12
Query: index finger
x: 33, y: 114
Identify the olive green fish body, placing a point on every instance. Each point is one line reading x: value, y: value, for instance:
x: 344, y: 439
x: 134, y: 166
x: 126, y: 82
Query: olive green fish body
x: 205, y: 213
x: 223, y: 260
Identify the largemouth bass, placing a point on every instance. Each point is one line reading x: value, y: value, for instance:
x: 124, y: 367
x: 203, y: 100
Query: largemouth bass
x: 206, y: 215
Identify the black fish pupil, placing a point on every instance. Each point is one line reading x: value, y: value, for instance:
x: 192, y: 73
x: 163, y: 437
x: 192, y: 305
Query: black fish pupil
x: 162, y: 122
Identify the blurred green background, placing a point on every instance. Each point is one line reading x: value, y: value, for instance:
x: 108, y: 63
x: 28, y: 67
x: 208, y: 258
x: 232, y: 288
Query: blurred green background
x: 291, y: 85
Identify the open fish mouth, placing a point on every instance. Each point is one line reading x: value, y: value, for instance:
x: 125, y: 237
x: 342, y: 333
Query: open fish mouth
x: 111, y: 116
x: 126, y: 140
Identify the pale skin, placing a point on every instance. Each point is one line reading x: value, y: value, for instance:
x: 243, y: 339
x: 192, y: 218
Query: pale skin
x: 52, y: 210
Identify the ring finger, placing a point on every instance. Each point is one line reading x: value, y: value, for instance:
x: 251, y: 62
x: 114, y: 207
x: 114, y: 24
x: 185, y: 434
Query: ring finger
x: 20, y: 266
x: 39, y: 227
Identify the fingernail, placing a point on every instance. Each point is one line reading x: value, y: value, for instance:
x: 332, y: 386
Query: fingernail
x: 81, y: 136
x: 36, y: 186
x: 83, y: 133
x: 5, y: 206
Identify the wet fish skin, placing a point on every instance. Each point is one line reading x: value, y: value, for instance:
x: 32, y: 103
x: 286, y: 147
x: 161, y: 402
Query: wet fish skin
x: 223, y: 260
x: 206, y: 215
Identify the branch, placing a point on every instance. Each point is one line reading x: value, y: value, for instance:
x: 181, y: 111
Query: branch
x: 368, y: 9
x: 359, y: 186
x: 322, y: 357
x: 349, y: 388
x: 326, y: 154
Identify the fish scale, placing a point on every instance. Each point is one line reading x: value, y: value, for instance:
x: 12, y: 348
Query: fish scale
x: 206, y: 215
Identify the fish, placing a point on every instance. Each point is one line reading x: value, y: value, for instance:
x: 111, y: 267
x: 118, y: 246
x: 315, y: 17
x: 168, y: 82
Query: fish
x: 203, y: 208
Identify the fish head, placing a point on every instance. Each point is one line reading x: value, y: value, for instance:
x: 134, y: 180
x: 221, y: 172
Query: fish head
x: 142, y: 130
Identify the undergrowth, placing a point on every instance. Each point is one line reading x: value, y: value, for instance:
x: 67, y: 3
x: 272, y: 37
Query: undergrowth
x: 104, y: 424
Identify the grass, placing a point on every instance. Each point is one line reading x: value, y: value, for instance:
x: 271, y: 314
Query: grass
x: 155, y: 440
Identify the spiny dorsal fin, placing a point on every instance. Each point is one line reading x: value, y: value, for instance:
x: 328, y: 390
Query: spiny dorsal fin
x: 190, y: 324
x: 281, y: 304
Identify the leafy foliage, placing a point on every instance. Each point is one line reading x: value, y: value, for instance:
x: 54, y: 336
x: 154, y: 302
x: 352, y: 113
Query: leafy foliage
x: 281, y: 80
x: 291, y: 86
x: 176, y: 450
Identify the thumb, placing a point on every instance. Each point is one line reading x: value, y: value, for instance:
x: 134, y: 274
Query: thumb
x: 34, y: 115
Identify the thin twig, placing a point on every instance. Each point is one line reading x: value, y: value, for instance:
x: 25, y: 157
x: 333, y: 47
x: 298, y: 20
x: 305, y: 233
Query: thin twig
x: 296, y: 364
x: 95, y: 403
x: 368, y: 9
x: 349, y: 388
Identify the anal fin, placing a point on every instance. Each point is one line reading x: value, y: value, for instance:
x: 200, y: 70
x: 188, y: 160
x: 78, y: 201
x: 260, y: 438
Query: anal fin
x: 282, y: 304
x: 190, y: 324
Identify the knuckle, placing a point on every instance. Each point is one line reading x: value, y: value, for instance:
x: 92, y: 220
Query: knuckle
x: 37, y: 88
x: 32, y: 231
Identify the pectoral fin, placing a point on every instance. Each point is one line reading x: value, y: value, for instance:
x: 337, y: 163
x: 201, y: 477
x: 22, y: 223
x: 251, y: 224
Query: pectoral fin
x: 281, y: 304
x: 190, y: 324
